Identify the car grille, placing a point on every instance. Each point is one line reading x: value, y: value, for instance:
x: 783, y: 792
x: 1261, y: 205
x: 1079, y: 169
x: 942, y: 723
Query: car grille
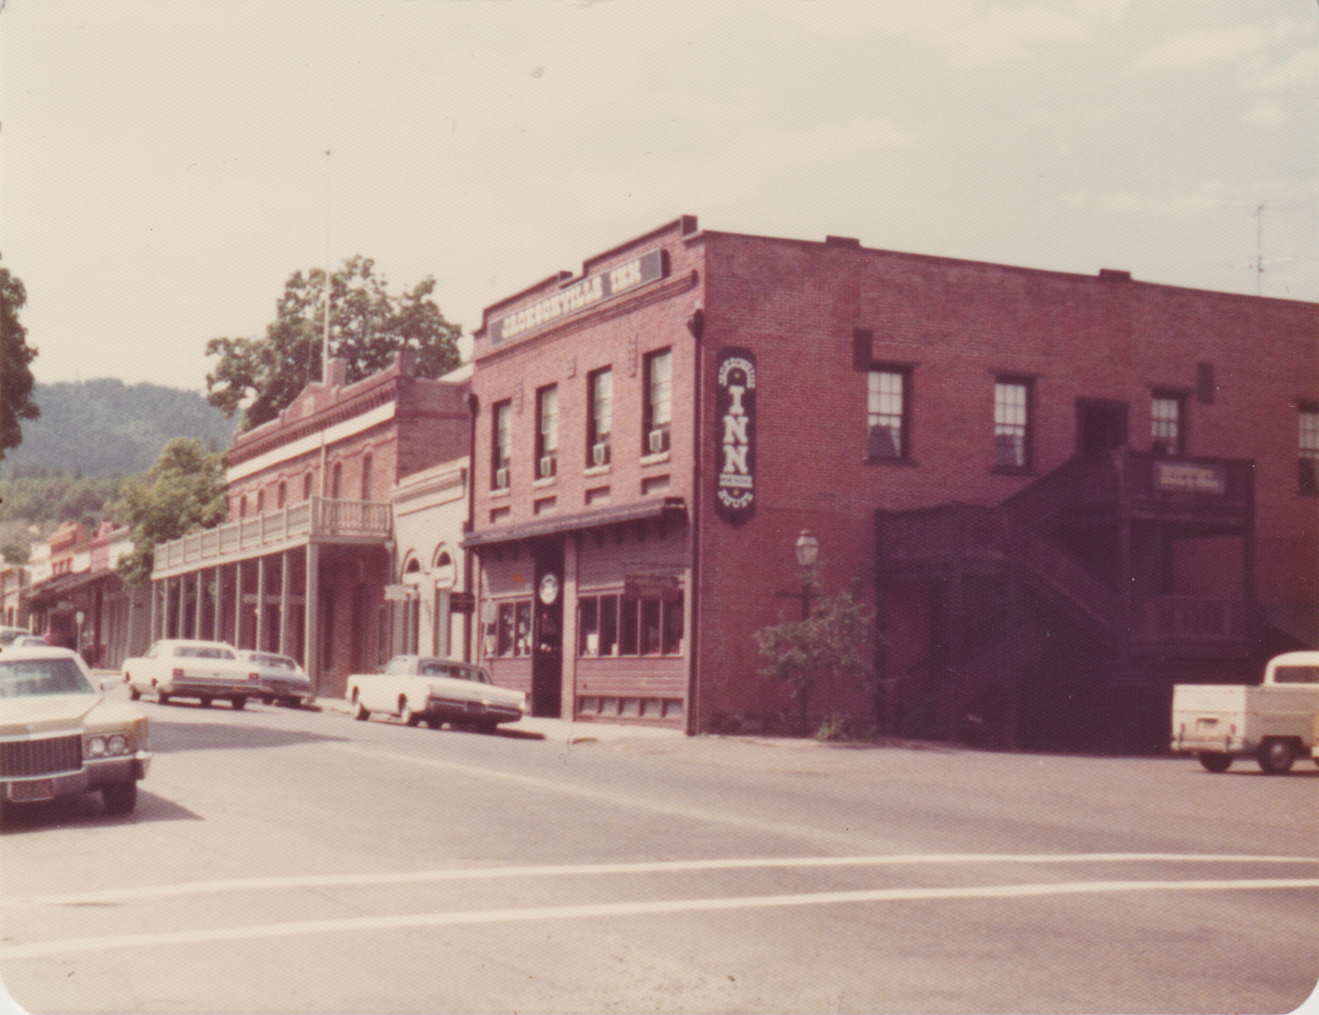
x: 23, y: 758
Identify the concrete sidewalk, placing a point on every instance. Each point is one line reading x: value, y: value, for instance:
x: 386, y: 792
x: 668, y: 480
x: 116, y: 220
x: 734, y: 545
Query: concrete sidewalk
x: 558, y: 730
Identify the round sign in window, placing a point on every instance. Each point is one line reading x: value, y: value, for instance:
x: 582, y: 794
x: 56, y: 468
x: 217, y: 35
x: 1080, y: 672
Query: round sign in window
x: 549, y: 589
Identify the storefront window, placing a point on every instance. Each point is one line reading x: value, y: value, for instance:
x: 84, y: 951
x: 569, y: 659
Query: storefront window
x: 612, y: 625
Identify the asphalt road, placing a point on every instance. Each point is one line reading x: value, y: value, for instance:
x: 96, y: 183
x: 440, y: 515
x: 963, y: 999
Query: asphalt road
x: 298, y: 861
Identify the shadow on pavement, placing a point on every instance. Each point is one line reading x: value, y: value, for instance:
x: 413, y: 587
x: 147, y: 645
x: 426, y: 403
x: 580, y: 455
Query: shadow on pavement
x: 87, y: 809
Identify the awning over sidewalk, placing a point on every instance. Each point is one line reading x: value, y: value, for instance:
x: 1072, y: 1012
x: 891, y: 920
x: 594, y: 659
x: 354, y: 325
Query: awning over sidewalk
x: 668, y: 508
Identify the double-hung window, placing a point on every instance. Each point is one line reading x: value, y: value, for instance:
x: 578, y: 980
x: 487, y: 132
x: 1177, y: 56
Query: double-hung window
x: 600, y: 409
x: 659, y: 402
x: 501, y: 448
x: 888, y: 400
x: 547, y: 431
x: 1167, y: 423
x: 1308, y: 446
x: 1012, y: 423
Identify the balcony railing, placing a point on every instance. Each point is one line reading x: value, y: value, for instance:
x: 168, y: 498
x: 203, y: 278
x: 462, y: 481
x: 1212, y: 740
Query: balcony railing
x: 315, y: 519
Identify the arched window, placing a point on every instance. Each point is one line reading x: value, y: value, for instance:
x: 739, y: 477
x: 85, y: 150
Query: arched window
x: 306, y: 486
x: 280, y: 494
x: 366, y: 477
x: 242, y: 506
x: 336, y: 477
x: 260, y: 501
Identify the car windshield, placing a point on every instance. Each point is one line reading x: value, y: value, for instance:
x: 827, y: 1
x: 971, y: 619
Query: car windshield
x: 34, y: 678
x: 8, y: 634
x: 202, y: 652
x: 443, y: 668
x: 274, y: 662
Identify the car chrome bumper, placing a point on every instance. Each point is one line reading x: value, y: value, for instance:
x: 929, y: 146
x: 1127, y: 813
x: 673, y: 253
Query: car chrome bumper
x: 95, y: 773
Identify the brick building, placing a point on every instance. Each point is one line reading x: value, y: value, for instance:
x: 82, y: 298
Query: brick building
x: 303, y: 563
x: 1061, y: 493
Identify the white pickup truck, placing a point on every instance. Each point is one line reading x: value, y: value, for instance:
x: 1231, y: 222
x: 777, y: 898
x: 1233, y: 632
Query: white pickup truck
x: 1275, y: 721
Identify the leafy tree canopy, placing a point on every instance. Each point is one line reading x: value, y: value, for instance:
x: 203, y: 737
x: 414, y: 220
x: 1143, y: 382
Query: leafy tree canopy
x: 183, y: 492
x: 368, y: 326
x: 16, y: 356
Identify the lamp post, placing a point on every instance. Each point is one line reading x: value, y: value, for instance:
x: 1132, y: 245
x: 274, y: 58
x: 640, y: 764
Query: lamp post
x: 807, y: 551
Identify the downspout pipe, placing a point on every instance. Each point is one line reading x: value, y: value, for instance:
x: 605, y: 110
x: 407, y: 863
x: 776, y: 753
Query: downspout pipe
x: 474, y: 411
x: 696, y: 326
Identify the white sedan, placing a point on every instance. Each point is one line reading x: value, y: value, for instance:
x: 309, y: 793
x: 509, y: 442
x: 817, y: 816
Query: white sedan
x: 282, y: 678
x: 205, y: 670
x: 60, y: 736
x: 435, y: 691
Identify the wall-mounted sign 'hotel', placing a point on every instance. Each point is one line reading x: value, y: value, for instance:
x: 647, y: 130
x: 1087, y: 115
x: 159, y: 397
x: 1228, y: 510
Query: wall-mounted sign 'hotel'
x: 735, y: 438
x: 589, y: 291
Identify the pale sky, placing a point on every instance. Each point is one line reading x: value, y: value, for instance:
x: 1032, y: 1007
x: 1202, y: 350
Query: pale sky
x: 163, y: 164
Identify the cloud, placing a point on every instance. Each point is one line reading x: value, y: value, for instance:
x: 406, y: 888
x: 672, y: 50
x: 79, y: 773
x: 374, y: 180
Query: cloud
x: 1202, y: 47
x: 1266, y: 114
x: 1301, y: 69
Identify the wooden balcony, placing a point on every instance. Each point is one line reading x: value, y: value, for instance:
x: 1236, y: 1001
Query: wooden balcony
x: 317, y: 520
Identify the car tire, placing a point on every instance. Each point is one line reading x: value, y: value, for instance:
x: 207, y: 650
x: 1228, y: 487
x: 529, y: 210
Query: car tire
x: 267, y: 700
x: 206, y: 702
x: 1276, y: 755
x: 133, y: 693
x: 360, y: 712
x: 161, y: 696
x: 406, y: 715
x: 238, y: 702
x: 119, y: 797
x: 1215, y: 761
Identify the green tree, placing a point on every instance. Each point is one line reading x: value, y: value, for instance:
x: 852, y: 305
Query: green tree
x: 16, y: 356
x: 184, y: 491
x: 368, y: 326
x: 835, y: 642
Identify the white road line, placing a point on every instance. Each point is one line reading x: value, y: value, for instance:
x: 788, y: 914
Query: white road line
x: 370, y: 878
x: 81, y: 946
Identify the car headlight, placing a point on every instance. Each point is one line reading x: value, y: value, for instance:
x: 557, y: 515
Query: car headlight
x: 102, y: 746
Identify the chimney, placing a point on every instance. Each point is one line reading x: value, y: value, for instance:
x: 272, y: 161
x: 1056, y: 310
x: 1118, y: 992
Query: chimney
x: 336, y: 373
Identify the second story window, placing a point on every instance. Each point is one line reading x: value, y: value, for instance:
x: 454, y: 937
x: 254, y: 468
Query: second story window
x: 547, y: 431
x: 306, y: 486
x: 366, y: 477
x: 501, y: 453
x: 1167, y: 426
x: 281, y: 494
x: 887, y: 408
x: 600, y: 408
x: 1308, y: 446
x: 659, y: 402
x: 1011, y: 423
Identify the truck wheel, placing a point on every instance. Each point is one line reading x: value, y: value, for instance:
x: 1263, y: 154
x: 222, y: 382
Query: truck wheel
x: 1215, y: 761
x: 360, y: 712
x: 238, y: 702
x: 406, y: 715
x: 1275, y: 755
x: 133, y: 693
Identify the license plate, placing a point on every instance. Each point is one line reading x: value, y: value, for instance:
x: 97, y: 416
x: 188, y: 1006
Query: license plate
x: 36, y: 789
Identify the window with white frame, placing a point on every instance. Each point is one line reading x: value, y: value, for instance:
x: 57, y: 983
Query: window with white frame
x: 600, y: 416
x: 659, y: 402
x: 1308, y: 446
x: 547, y: 431
x: 887, y: 409
x: 501, y: 445
x: 1012, y: 410
x: 1167, y: 423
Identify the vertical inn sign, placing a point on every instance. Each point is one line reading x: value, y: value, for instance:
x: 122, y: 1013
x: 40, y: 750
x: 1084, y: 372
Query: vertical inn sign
x: 735, y: 438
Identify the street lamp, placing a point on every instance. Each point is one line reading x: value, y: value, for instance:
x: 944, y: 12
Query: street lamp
x: 807, y: 552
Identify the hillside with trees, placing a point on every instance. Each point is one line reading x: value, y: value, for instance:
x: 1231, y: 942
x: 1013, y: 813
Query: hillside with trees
x: 104, y: 427
x: 91, y: 438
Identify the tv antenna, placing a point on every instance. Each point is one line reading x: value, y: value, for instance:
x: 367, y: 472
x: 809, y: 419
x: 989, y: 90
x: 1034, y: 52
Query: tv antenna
x: 1259, y: 249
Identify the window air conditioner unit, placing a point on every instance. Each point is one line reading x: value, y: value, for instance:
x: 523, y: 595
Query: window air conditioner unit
x: 501, y: 479
x: 547, y: 466
x: 659, y: 441
x: 600, y: 453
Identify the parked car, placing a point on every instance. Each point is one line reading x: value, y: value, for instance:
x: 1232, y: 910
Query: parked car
x: 205, y: 670
x: 282, y: 678
x: 24, y: 640
x: 9, y: 634
x: 59, y: 735
x: 435, y: 691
